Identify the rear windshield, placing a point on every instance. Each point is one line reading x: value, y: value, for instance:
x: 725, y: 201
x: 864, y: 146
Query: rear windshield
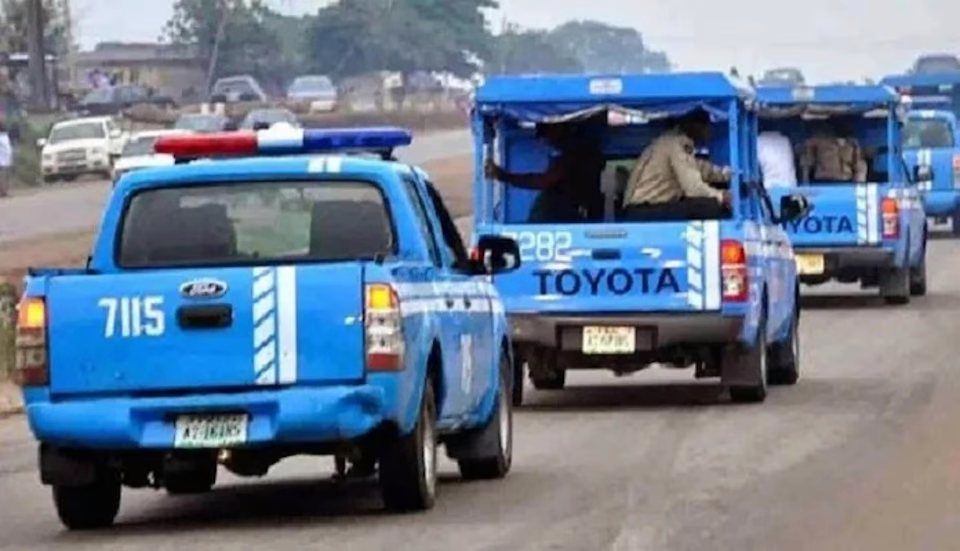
x: 927, y: 134
x: 257, y: 222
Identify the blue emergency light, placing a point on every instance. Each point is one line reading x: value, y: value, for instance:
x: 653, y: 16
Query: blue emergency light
x: 284, y: 140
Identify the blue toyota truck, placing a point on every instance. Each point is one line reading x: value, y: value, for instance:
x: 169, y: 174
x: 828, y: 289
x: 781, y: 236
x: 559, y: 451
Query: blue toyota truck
x: 931, y: 146
x: 719, y: 295
x: 872, y: 232
x: 242, y: 310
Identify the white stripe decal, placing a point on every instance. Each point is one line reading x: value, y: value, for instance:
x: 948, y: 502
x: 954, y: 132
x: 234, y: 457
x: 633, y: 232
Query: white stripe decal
x: 862, y: 215
x: 873, y: 215
x: 711, y: 249
x: 287, y: 323
x: 694, y: 238
x: 264, y: 327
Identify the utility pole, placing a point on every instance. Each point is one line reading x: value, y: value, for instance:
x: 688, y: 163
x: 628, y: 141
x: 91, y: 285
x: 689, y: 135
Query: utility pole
x: 215, y: 52
x: 37, y: 55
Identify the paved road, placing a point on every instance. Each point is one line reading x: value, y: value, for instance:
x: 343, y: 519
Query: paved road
x: 78, y: 206
x: 862, y: 454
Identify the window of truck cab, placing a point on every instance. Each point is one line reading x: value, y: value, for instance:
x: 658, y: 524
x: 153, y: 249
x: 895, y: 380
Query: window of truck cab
x: 931, y: 133
x: 254, y: 223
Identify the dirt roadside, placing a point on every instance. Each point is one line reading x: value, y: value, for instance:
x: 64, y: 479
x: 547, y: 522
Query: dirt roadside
x: 451, y: 176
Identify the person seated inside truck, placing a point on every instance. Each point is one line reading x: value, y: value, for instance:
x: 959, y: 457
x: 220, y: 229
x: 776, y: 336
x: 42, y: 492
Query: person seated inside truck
x: 570, y: 190
x: 775, y: 153
x: 670, y: 183
x: 831, y: 154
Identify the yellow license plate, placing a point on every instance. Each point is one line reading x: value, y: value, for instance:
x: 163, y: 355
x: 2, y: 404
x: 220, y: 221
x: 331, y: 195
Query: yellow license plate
x: 810, y: 264
x: 609, y: 340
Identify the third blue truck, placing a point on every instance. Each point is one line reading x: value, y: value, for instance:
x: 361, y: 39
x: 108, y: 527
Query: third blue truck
x: 871, y: 232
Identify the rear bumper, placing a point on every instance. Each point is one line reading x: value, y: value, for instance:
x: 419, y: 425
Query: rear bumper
x: 565, y: 332
x: 848, y: 263
x: 293, y: 415
x: 941, y: 202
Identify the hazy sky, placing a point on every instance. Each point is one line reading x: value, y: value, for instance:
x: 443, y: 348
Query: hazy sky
x: 827, y: 39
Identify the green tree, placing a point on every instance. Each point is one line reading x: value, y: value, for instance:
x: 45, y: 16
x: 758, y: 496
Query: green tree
x: 234, y: 32
x: 358, y: 36
x: 603, y: 48
x: 13, y: 18
x: 529, y: 52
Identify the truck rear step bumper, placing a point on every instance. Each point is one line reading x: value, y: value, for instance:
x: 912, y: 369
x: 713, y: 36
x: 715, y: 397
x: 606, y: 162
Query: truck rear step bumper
x: 291, y: 415
x: 565, y: 332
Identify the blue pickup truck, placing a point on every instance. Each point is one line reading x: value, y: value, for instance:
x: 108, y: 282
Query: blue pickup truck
x: 873, y: 232
x: 931, y: 145
x: 243, y: 310
x: 719, y: 295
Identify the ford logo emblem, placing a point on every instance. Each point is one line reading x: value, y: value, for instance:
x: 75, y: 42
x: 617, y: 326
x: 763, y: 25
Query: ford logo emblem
x: 203, y: 288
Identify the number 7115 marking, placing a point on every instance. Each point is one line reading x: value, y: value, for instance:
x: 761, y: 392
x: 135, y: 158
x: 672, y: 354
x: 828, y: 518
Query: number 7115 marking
x: 134, y: 316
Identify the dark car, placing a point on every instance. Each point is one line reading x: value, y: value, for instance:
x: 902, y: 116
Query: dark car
x: 113, y: 100
x: 204, y: 123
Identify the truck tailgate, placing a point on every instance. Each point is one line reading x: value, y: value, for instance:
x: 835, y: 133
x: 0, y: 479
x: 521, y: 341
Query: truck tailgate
x: 650, y: 267
x: 243, y: 327
x: 843, y: 215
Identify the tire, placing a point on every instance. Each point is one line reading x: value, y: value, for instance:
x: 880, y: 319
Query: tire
x: 546, y: 374
x: 497, y: 435
x: 199, y: 481
x: 784, y: 369
x: 895, y: 286
x: 757, y: 358
x: 408, y: 462
x: 516, y: 385
x: 955, y: 224
x: 918, y: 278
x: 88, y: 507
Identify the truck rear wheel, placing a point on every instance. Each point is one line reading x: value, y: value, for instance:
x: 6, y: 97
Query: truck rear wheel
x: 519, y: 369
x: 955, y: 223
x: 88, y: 507
x: 785, y: 357
x: 918, y: 278
x: 408, y: 463
x: 495, y: 439
x: 545, y: 371
x: 895, y: 286
x: 755, y: 362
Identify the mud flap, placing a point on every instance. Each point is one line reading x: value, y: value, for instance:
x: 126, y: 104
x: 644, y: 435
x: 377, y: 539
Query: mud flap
x: 734, y: 371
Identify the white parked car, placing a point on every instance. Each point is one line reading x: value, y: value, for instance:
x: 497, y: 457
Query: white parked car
x: 138, y: 152
x: 317, y: 92
x: 79, y: 147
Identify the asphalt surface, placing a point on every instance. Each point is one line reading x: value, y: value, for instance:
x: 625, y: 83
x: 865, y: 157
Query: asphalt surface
x: 862, y: 454
x: 77, y: 206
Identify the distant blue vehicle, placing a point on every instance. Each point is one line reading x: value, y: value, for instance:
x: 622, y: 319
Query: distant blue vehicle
x: 931, y: 144
x: 875, y: 232
x: 719, y: 295
x: 252, y: 309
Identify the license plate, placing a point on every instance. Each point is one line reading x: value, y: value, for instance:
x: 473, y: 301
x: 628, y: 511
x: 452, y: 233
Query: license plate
x: 210, y: 431
x: 609, y: 340
x: 810, y: 264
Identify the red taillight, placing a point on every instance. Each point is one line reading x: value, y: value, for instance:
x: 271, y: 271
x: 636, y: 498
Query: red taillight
x: 32, y: 367
x: 383, y: 326
x: 733, y: 267
x: 890, y: 213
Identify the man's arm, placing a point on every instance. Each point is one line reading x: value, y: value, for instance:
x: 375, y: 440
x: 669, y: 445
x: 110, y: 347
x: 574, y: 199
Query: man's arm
x: 859, y: 164
x: 532, y: 180
x: 684, y: 165
x: 807, y: 158
x: 713, y: 174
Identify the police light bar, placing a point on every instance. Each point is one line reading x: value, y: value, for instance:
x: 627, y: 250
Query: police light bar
x: 282, y: 140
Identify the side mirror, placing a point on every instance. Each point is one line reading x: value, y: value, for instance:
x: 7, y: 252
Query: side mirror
x: 41, y: 142
x: 497, y: 255
x: 116, y: 134
x: 794, y: 207
x: 922, y: 173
